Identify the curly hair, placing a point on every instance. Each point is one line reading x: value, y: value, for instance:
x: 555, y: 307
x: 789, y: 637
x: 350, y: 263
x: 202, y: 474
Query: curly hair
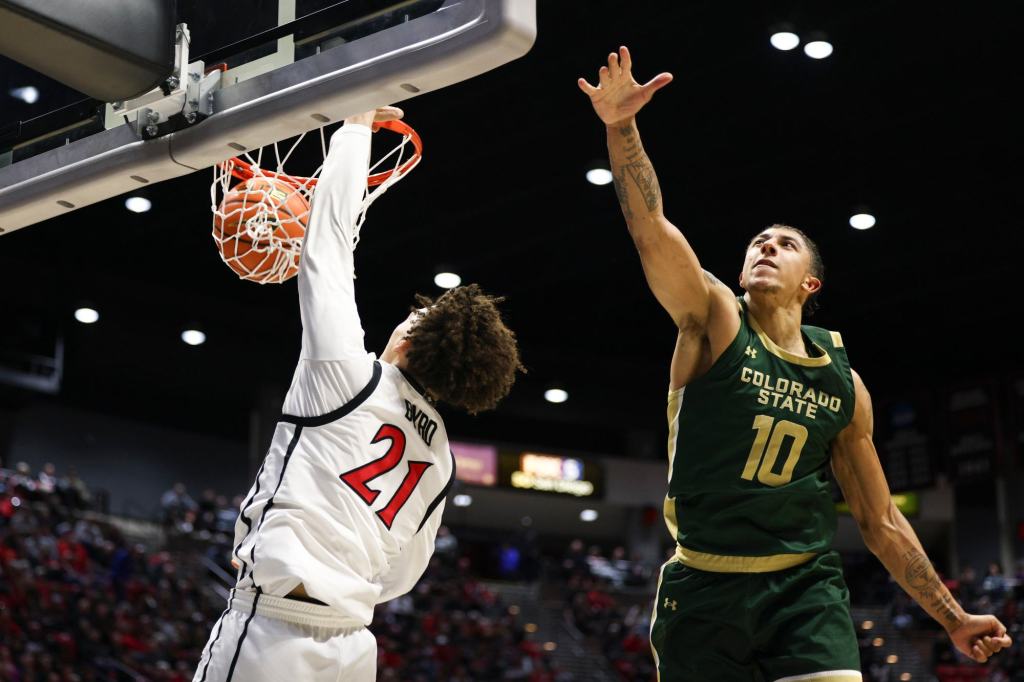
x: 461, y: 350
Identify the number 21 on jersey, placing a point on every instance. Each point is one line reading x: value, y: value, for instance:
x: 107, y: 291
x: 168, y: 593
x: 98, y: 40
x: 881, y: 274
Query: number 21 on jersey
x: 358, y: 478
x: 764, y: 453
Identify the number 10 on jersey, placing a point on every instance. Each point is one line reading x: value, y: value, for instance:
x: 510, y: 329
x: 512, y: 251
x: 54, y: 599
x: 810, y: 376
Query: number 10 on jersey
x: 764, y: 453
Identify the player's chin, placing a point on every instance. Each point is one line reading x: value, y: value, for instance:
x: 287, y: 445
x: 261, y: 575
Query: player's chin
x: 763, y: 285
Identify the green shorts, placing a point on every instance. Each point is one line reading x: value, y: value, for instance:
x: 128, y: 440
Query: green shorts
x: 789, y: 625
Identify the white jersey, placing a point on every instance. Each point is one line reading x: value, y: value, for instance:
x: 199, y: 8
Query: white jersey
x: 349, y: 497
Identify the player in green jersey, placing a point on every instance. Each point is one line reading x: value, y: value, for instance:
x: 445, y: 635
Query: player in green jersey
x: 760, y: 406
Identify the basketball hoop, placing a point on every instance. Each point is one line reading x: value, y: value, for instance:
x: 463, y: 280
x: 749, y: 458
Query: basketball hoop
x: 259, y: 223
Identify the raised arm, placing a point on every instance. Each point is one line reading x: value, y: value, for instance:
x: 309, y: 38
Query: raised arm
x: 670, y: 265
x: 331, y: 329
x: 890, y: 537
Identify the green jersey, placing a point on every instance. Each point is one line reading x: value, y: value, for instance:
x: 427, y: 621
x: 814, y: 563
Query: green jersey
x: 749, y: 449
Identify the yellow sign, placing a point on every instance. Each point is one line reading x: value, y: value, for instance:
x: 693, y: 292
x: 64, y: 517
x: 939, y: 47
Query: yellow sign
x: 908, y: 503
x: 551, y: 473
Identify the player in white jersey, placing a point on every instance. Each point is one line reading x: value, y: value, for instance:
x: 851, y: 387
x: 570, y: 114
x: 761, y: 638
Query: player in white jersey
x: 347, y: 503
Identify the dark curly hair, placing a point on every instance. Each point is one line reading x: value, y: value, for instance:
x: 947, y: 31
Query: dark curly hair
x: 461, y: 350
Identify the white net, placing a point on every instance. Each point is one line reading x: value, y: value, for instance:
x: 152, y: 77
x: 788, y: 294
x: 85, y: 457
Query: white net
x: 260, y: 214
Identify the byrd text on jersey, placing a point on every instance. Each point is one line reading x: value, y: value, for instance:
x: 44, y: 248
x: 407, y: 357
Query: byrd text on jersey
x: 425, y: 426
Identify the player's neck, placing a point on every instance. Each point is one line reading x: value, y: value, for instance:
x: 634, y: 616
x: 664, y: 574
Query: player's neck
x: 780, y: 322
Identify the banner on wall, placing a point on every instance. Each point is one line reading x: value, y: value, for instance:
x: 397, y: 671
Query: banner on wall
x: 970, y: 432
x: 904, y: 440
x: 556, y: 474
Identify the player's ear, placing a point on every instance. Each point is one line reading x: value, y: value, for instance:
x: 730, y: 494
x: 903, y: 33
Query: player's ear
x: 811, y: 284
x: 402, y: 346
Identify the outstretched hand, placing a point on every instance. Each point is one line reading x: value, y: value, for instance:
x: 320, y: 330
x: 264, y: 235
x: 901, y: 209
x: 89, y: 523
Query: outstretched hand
x: 618, y: 96
x: 979, y: 637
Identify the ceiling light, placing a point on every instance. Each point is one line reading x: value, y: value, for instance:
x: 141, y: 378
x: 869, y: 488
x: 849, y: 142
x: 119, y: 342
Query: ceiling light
x: 86, y: 315
x: 28, y: 95
x: 447, y: 280
x: 138, y: 204
x: 818, y: 49
x: 862, y: 221
x: 462, y: 500
x: 588, y: 515
x: 193, y: 337
x: 599, y: 176
x: 784, y: 40
x: 556, y: 395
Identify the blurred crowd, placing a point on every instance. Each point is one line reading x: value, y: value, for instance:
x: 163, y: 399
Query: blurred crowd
x: 608, y: 601
x: 452, y: 627
x: 78, y: 603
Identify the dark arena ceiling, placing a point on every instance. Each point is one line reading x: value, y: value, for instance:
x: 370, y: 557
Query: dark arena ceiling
x: 911, y: 116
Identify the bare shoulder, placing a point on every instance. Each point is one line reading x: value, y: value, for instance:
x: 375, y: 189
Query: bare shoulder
x: 863, y: 419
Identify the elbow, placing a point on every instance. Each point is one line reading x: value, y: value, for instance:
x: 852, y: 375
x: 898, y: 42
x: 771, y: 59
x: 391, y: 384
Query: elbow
x: 879, y: 530
x: 647, y: 233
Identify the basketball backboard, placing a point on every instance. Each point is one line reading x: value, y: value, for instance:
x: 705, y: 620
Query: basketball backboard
x: 249, y: 73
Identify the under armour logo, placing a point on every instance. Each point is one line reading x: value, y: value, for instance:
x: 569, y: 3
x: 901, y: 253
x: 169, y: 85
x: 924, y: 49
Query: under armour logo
x: 669, y: 604
x: 751, y: 352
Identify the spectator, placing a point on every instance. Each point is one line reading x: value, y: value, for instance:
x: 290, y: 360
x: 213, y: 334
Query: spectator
x: 175, y: 503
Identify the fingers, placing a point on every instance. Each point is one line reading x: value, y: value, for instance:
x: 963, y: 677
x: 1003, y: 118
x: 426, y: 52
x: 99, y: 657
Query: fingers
x: 980, y: 650
x: 625, y: 59
x: 657, y: 83
x: 586, y: 87
x: 999, y: 642
x: 388, y: 114
x: 604, y: 77
x: 613, y: 65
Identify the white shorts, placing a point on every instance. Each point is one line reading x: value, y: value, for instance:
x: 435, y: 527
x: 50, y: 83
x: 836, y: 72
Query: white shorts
x: 260, y: 638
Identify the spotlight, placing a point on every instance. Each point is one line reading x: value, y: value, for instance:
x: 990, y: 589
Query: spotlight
x: 862, y: 221
x: 784, y: 40
x: 86, y: 315
x: 28, y: 94
x: 138, y: 204
x: 462, y: 500
x: 599, y: 176
x: 447, y: 280
x: 193, y: 337
x: 556, y: 395
x: 588, y: 515
x: 818, y: 49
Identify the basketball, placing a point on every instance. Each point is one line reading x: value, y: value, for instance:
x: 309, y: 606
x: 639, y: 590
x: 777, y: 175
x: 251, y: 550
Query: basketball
x: 259, y: 227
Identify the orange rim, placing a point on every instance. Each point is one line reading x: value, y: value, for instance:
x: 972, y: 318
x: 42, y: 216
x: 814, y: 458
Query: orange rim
x: 243, y: 170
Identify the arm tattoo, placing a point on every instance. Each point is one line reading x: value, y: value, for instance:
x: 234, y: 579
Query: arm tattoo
x: 712, y: 279
x: 921, y: 577
x: 640, y: 170
x: 622, y: 194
